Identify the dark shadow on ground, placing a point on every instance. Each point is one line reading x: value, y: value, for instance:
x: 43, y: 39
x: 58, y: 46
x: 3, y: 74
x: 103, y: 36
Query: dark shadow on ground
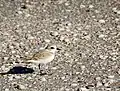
x: 19, y: 70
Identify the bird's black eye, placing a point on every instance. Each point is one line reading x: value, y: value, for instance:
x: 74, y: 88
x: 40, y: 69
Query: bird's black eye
x: 52, y: 47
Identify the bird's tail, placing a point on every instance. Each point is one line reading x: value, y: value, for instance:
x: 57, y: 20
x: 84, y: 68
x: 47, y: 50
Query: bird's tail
x: 26, y: 59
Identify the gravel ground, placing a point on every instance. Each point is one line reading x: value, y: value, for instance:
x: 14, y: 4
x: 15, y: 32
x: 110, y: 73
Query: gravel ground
x: 86, y: 31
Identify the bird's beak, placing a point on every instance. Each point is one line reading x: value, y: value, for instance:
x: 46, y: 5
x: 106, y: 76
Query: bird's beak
x: 58, y: 49
x: 46, y: 47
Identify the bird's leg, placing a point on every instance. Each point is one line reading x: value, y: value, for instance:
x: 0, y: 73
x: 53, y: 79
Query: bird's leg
x: 47, y: 70
x: 39, y: 66
x: 46, y: 66
x: 41, y: 69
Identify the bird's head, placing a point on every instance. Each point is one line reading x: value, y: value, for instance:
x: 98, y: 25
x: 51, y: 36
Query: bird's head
x: 52, y: 48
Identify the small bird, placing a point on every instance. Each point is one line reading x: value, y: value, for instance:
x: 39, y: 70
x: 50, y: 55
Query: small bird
x: 44, y: 56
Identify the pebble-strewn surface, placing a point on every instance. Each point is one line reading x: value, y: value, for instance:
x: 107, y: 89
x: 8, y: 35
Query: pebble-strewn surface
x: 86, y: 31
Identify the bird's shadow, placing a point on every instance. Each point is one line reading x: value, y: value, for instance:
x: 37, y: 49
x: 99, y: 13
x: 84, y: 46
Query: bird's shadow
x: 18, y: 70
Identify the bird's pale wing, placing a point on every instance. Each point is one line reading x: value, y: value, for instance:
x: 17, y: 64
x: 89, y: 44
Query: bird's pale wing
x: 41, y: 55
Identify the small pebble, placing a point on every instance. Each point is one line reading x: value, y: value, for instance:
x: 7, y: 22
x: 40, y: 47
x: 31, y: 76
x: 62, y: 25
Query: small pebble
x: 82, y: 67
x: 91, y: 6
x: 17, y: 77
x: 43, y: 79
x: 74, y: 84
x: 106, y: 84
x: 11, y: 78
x: 99, y: 84
x: 97, y: 11
x: 4, y: 68
x: 69, y: 24
x: 30, y: 37
x: 11, y: 47
x: 55, y: 33
x: 62, y: 38
x: 88, y: 37
x: 87, y: 26
x: 26, y: 53
x: 6, y: 89
x: 84, y: 89
x: 67, y: 40
x: 67, y: 89
x: 62, y: 29
x: 77, y: 73
x: 61, y: 1
x: 54, y: 68
x: 117, y: 19
x: 118, y: 26
x: 22, y: 87
x: 13, y: 51
x: 27, y: 15
x: 119, y: 71
x: 101, y: 36
x: 6, y: 58
x: 68, y: 30
x: 63, y: 77
x: 29, y: 78
x: 101, y: 21
x: 118, y: 12
x: 66, y: 4
x: 79, y: 28
x: 19, y: 12
x: 108, y: 89
x: 111, y: 76
x: 82, y: 6
x: 103, y: 57
x: 114, y: 9
x: 66, y: 54
x: 47, y: 40
x: 98, y: 78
